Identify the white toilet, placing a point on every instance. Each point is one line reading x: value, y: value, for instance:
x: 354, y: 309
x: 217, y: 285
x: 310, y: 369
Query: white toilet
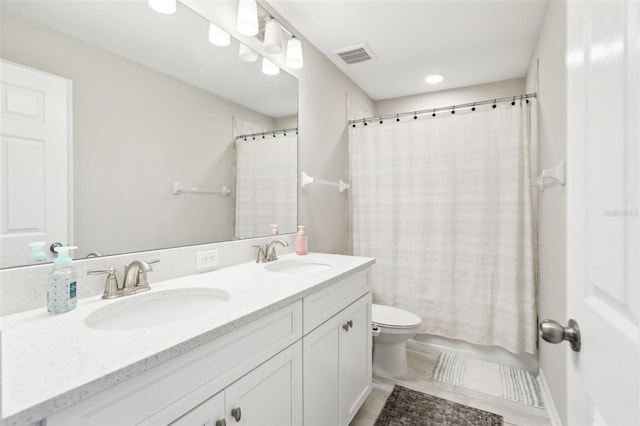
x: 395, y: 326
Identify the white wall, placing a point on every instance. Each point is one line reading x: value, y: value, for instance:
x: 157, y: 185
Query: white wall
x: 552, y: 117
x: 130, y: 144
x: 443, y: 98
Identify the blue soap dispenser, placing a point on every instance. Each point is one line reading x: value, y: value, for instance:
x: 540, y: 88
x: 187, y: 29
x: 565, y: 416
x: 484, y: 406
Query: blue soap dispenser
x: 62, y: 294
x: 37, y: 254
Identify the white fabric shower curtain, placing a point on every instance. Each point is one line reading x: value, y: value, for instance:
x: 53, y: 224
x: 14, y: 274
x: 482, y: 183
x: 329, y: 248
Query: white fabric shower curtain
x: 266, y: 186
x: 444, y: 205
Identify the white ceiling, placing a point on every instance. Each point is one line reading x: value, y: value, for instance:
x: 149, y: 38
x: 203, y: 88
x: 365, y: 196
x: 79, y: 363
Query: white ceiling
x: 469, y: 42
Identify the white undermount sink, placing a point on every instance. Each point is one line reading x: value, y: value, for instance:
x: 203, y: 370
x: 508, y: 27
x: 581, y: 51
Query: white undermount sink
x: 297, y: 266
x: 156, y: 308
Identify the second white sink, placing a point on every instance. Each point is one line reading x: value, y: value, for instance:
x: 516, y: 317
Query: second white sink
x: 157, y: 308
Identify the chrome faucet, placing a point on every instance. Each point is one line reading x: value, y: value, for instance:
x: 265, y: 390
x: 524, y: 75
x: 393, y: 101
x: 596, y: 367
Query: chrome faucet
x: 135, y: 276
x: 270, y: 251
x: 135, y: 279
x: 267, y: 252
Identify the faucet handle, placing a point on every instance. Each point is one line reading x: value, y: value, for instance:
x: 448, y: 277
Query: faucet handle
x: 111, y: 287
x: 262, y: 253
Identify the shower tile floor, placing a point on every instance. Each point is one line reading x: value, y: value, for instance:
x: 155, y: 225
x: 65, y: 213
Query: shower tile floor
x: 419, y: 378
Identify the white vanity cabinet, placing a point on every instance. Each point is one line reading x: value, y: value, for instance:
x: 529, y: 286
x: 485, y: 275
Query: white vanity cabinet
x: 270, y: 395
x: 256, y: 367
x: 307, y: 363
x: 337, y: 353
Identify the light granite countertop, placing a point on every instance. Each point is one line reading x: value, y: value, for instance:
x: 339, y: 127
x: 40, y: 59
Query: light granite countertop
x: 50, y: 362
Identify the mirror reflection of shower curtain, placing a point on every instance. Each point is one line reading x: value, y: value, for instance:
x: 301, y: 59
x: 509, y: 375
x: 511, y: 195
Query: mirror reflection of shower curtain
x: 445, y: 207
x: 266, y: 186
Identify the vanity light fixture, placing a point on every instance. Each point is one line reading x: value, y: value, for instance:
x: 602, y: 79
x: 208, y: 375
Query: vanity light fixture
x: 273, y: 37
x: 217, y: 36
x: 247, y: 22
x: 269, y: 68
x: 434, y: 78
x: 246, y: 54
x: 294, y: 53
x: 166, y: 7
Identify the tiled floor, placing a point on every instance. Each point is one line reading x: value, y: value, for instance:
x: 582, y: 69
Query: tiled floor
x: 418, y: 378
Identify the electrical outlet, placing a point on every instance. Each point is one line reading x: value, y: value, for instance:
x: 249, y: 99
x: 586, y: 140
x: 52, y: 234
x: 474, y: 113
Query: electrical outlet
x: 206, y: 259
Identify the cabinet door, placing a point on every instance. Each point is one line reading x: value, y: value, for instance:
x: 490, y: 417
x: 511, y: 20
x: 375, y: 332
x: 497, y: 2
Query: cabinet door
x: 209, y: 413
x: 321, y: 350
x: 270, y: 395
x: 355, y: 358
x: 337, y: 366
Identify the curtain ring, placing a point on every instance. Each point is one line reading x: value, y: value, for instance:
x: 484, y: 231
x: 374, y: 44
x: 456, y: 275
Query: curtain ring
x: 473, y: 108
x: 453, y: 110
x: 380, y: 119
x: 415, y: 115
x: 433, y: 114
x: 397, y: 117
x: 513, y: 102
x: 494, y: 103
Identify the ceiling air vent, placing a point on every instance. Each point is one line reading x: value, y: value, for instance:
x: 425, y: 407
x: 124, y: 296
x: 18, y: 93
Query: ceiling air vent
x: 354, y: 54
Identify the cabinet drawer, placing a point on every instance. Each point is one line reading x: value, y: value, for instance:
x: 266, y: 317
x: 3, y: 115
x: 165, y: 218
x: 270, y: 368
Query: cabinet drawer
x: 171, y: 389
x: 321, y: 306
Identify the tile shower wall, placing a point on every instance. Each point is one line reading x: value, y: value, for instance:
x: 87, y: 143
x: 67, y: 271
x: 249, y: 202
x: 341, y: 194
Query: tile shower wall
x: 25, y: 288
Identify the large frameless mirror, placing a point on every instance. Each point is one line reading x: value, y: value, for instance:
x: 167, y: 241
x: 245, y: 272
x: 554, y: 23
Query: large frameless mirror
x: 173, y: 140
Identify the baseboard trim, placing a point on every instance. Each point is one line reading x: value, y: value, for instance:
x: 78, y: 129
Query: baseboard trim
x: 547, y: 400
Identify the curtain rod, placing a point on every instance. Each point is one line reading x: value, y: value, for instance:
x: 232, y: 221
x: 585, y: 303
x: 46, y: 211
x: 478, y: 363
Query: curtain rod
x: 433, y: 111
x: 271, y: 133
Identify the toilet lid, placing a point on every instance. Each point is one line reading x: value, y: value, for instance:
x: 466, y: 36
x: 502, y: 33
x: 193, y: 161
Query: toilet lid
x: 393, y: 317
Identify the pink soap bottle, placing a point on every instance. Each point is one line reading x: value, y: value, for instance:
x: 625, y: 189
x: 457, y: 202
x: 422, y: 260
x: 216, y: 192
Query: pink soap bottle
x: 301, y: 241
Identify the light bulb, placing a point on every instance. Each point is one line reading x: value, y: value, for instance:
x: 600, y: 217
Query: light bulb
x: 246, y: 54
x: 434, y: 78
x: 294, y: 53
x: 247, y: 23
x: 273, y: 37
x: 217, y: 36
x: 269, y: 68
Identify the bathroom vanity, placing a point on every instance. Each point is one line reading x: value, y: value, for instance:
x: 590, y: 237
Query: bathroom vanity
x: 290, y: 344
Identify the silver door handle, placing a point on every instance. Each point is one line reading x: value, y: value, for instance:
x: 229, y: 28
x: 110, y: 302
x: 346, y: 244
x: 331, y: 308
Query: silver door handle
x: 552, y: 332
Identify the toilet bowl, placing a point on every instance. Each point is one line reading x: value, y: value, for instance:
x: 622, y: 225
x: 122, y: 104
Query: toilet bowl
x: 395, y: 326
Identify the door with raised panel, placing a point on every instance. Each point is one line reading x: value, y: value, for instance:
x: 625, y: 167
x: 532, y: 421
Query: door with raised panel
x: 270, y: 395
x: 603, y: 205
x: 355, y: 358
x: 33, y: 160
x: 321, y: 350
x: 337, y: 366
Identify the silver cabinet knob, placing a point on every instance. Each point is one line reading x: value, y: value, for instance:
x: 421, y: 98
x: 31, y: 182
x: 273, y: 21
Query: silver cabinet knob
x: 236, y: 413
x: 552, y: 332
x: 347, y: 325
x: 222, y: 422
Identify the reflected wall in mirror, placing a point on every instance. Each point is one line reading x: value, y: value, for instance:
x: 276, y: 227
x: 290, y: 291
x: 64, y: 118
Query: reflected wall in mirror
x: 150, y: 103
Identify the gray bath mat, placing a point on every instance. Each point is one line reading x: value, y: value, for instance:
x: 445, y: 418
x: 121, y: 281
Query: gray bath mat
x: 494, y: 379
x: 406, y: 407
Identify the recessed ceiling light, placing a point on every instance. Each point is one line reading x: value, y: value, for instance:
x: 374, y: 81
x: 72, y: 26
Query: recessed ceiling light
x: 434, y: 78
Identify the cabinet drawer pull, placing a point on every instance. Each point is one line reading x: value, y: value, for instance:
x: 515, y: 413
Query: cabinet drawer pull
x: 222, y: 422
x: 236, y: 413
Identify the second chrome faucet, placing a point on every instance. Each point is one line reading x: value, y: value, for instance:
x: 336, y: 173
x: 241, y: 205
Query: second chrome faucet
x: 267, y: 252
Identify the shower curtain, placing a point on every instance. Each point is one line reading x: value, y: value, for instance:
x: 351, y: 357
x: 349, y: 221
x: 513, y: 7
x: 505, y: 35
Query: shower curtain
x: 265, y: 190
x: 444, y: 205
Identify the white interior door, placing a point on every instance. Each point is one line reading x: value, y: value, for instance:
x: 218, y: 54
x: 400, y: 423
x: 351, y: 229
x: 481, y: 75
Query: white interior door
x: 603, y: 63
x: 34, y: 161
